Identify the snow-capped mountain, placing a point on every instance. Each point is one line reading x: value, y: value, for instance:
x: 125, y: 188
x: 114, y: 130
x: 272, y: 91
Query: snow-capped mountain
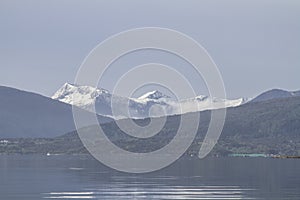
x: 82, y: 96
x: 151, y: 104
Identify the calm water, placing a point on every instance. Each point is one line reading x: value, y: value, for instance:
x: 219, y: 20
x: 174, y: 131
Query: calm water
x: 81, y: 177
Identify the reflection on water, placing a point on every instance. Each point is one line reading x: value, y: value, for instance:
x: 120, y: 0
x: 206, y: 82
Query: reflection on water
x: 81, y: 177
x: 144, y: 191
x: 124, y: 187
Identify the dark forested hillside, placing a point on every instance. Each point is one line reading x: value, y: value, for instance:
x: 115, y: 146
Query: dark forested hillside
x: 271, y: 127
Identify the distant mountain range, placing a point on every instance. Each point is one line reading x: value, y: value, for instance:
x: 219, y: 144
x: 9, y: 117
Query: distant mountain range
x: 266, y: 127
x: 25, y: 114
x: 151, y: 104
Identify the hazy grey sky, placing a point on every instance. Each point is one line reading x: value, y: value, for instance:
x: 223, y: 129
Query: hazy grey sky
x: 256, y: 44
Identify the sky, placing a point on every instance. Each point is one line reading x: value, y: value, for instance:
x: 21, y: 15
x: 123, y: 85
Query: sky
x: 255, y: 43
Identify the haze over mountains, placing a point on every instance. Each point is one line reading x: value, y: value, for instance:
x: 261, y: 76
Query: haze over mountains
x: 25, y: 114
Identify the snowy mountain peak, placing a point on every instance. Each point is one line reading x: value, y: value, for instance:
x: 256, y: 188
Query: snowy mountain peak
x: 68, y: 85
x: 78, y: 95
x: 153, y: 95
x: 71, y: 88
x: 201, y: 97
x: 100, y: 101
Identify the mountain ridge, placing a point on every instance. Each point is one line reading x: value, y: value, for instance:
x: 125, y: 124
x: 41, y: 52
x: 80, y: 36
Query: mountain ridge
x: 27, y: 114
x: 275, y: 94
x: 150, y: 104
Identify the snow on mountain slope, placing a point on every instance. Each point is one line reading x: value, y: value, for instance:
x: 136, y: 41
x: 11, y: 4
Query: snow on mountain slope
x: 151, y: 104
x: 80, y: 96
x: 207, y: 103
x: 153, y: 95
